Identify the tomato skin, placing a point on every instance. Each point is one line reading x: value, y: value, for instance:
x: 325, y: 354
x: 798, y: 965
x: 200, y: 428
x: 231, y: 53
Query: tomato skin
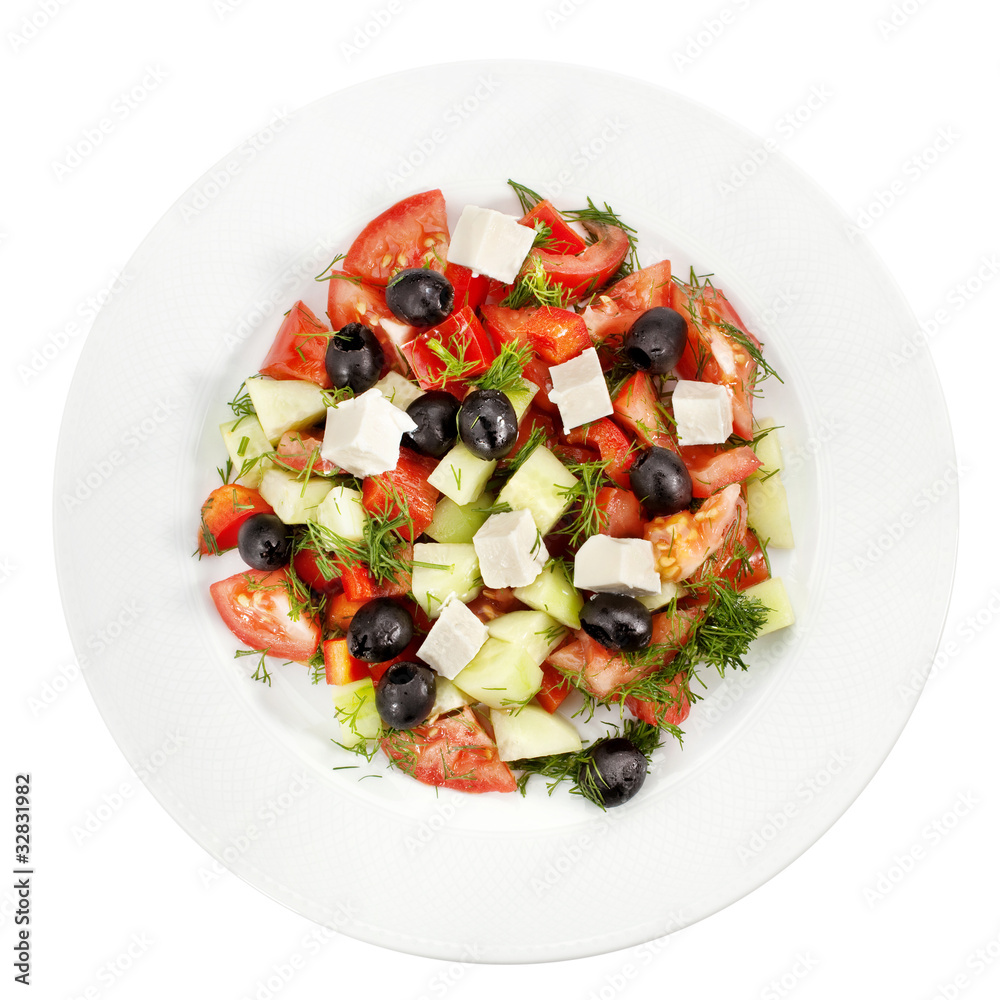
x: 469, y: 291
x: 611, y: 442
x: 606, y: 321
x: 454, y: 751
x: 564, y: 239
x: 755, y: 571
x: 463, y: 336
x: 408, y: 481
x: 359, y: 585
x: 507, y: 326
x: 637, y: 408
x: 222, y: 514
x: 623, y: 510
x: 643, y: 289
x: 537, y: 371
x: 255, y: 607
x: 557, y: 334
x: 307, y: 569
x: 411, y: 233
x: 663, y: 713
x: 299, y: 450
x: 554, y: 690
x: 581, y: 274
x: 351, y: 300
x: 299, y: 348
x: 714, y: 467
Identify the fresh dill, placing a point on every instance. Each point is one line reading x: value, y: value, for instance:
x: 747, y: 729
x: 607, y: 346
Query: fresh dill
x: 722, y: 638
x: 328, y: 272
x: 242, y: 405
x: 587, y: 517
x: 455, y: 364
x: 535, y: 286
x: 594, y: 219
x: 527, y: 198
x: 261, y: 673
x: 506, y: 372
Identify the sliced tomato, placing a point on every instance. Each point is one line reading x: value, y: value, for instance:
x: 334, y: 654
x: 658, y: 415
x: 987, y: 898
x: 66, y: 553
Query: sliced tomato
x: 462, y: 337
x: 584, y: 273
x: 683, y: 542
x: 255, y: 606
x: 563, y: 239
x: 299, y: 348
x: 606, y: 321
x: 623, y: 512
x: 537, y: 371
x: 557, y: 334
x: 321, y: 573
x: 643, y: 289
x: 469, y: 291
x: 454, y: 751
x: 751, y: 567
x: 713, y: 467
x: 222, y: 514
x: 669, y: 712
x: 341, y: 667
x: 351, y: 300
x: 505, y: 325
x: 554, y: 690
x: 638, y: 408
x: 299, y: 450
x: 531, y: 421
x: 412, y: 233
x: 611, y: 442
x: 360, y: 585
x: 404, y: 490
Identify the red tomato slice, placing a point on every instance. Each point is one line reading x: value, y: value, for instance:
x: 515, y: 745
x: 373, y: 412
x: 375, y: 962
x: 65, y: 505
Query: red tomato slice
x: 611, y: 442
x: 454, y: 751
x: 299, y: 450
x: 606, y: 321
x: 638, y: 408
x: 529, y: 422
x: 643, y: 289
x: 713, y: 467
x: 743, y: 573
x: 683, y: 542
x: 469, y: 291
x: 623, y: 511
x: 554, y: 690
x: 404, y: 490
x: 584, y: 273
x: 299, y: 349
x: 462, y: 336
x: 360, y: 585
x: 537, y: 371
x: 412, y: 233
x: 306, y: 564
x: 255, y: 607
x: 351, y: 300
x: 663, y: 713
x: 505, y: 325
x: 222, y: 514
x: 564, y: 238
x: 557, y: 334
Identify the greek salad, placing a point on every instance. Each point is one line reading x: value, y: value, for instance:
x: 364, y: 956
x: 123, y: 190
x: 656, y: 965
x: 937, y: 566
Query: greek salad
x: 510, y: 479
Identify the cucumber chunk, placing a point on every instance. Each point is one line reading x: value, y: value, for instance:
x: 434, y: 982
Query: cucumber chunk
x: 452, y: 523
x: 440, y: 570
x: 285, y: 405
x: 534, y: 631
x: 540, y: 486
x: 354, y: 705
x: 501, y: 675
x: 553, y: 592
x: 767, y: 511
x: 773, y: 595
x: 294, y: 500
x: 533, y: 732
x: 768, y: 448
x: 462, y: 476
x: 245, y: 440
x: 342, y: 513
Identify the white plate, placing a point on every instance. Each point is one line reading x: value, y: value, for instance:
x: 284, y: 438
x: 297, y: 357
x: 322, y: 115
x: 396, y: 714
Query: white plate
x: 772, y: 757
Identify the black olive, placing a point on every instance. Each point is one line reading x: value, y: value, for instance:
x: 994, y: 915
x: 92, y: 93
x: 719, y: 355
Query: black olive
x: 405, y: 694
x: 264, y: 541
x: 354, y: 358
x: 487, y: 423
x: 617, y: 621
x: 420, y: 296
x: 616, y: 770
x: 379, y: 630
x: 436, y: 415
x: 655, y: 341
x: 661, y: 481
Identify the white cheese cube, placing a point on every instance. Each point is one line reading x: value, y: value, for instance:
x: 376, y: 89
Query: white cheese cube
x: 510, y: 549
x: 342, y: 513
x: 490, y: 243
x: 703, y: 411
x: 454, y: 639
x: 609, y: 565
x: 579, y: 390
x: 363, y: 434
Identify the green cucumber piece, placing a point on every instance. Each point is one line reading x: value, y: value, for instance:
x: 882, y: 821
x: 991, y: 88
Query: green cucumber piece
x: 533, y: 732
x: 354, y: 706
x: 294, y: 500
x: 285, y: 405
x: 553, y: 592
x: 452, y: 523
x: 534, y: 631
x: 501, y: 675
x: 440, y: 570
x: 540, y: 486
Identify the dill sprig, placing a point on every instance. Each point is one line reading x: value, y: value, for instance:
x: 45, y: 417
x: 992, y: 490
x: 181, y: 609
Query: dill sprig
x: 594, y: 218
x: 327, y: 273
x: 528, y: 198
x: 587, y: 517
x: 455, y: 364
x: 261, y: 673
x: 534, y: 439
x: 578, y: 768
x: 506, y: 372
x: 534, y: 286
x: 242, y: 405
x: 722, y: 638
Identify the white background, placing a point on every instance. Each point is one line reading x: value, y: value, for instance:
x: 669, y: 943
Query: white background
x: 899, y: 899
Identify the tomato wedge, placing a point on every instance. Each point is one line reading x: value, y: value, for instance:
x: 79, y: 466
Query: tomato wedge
x: 563, y: 239
x: 222, y: 514
x: 467, y: 345
x: 750, y: 569
x: 638, y: 409
x: 299, y: 348
x: 713, y: 467
x: 623, y: 512
x: 403, y: 490
x: 469, y: 291
x: 454, y: 751
x: 412, y: 233
x: 256, y: 608
x: 557, y: 334
x: 643, y: 289
x: 554, y: 690
x: 299, y: 450
x: 611, y: 442
x: 581, y: 274
x: 664, y: 713
x: 351, y: 300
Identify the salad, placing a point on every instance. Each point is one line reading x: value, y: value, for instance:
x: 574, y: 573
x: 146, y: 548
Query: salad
x: 511, y: 473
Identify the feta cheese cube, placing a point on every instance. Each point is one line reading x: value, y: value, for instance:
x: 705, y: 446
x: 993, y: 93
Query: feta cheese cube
x: 510, y: 549
x: 490, y: 242
x: 579, y: 390
x: 703, y: 411
x: 363, y: 434
x: 609, y: 565
x: 454, y: 639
